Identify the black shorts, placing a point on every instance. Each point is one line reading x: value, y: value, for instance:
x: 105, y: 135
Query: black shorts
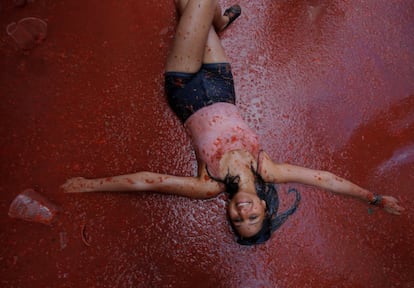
x: 189, y: 92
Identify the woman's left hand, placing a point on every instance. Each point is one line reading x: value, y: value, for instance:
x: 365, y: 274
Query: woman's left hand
x: 390, y: 204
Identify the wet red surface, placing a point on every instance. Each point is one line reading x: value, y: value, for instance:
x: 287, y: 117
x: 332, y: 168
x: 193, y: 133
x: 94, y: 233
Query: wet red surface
x: 328, y: 84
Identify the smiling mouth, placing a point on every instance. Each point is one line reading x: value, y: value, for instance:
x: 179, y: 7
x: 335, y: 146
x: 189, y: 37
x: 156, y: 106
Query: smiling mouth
x: 242, y: 204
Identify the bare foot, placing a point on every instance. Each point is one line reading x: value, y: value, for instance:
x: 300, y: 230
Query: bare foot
x: 77, y: 184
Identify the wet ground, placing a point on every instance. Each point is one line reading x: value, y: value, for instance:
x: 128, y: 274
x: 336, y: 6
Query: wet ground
x: 327, y: 84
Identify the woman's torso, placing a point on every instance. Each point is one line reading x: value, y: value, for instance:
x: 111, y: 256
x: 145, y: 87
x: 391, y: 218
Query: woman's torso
x: 218, y: 129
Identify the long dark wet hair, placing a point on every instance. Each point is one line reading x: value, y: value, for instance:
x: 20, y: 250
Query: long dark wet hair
x: 268, y: 193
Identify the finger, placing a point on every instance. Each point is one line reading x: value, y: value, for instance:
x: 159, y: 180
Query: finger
x: 390, y: 199
x: 401, y: 209
x: 397, y: 211
x: 393, y: 211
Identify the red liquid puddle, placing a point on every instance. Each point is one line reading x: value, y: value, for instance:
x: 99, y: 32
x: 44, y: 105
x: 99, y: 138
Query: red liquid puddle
x: 327, y: 84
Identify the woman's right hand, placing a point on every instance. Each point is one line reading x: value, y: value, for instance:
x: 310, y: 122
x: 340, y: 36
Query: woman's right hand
x: 77, y: 184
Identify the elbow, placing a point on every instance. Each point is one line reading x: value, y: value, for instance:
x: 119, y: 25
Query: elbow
x: 201, y: 194
x: 322, y: 179
x: 206, y: 192
x: 211, y: 194
x: 206, y: 188
x: 330, y: 179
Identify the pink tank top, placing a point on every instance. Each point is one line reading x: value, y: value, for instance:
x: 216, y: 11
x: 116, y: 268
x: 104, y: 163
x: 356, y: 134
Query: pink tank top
x: 217, y: 129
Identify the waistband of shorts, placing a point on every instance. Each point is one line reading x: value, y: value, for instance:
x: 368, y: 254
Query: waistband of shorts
x: 203, y: 66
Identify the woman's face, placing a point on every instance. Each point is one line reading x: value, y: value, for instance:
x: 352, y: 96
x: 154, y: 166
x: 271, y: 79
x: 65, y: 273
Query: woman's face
x: 246, y: 212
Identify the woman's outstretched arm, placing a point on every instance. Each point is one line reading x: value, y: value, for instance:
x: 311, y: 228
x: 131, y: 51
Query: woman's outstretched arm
x: 283, y: 173
x: 200, y: 187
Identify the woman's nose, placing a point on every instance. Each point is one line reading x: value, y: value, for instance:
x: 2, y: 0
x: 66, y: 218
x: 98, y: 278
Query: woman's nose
x: 243, y: 211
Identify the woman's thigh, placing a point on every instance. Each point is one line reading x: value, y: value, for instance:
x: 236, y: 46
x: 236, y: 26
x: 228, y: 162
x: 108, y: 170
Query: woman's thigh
x: 214, y: 51
x: 191, y: 37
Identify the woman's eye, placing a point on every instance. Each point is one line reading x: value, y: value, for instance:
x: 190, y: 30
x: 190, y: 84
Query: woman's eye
x: 237, y: 220
x: 253, y: 217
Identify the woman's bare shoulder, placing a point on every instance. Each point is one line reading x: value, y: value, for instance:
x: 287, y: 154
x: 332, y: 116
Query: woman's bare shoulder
x: 272, y: 171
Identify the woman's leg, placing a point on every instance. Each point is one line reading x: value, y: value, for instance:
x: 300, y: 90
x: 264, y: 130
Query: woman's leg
x: 214, y: 51
x: 196, y: 41
x: 219, y: 20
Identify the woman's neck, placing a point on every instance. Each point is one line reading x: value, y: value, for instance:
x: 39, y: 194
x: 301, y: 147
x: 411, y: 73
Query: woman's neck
x: 239, y: 163
x: 247, y: 181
